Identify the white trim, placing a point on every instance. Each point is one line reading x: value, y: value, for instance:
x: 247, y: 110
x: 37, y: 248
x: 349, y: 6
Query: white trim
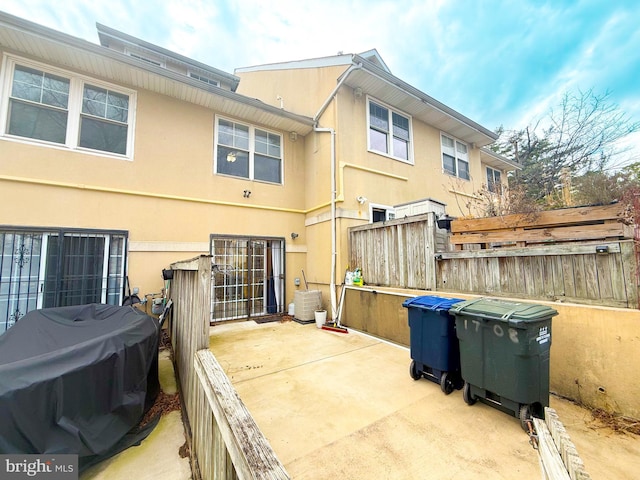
x: 74, y: 108
x: 144, y: 57
x: 392, y: 110
x: 456, y: 158
x: 207, y: 79
x: 388, y: 210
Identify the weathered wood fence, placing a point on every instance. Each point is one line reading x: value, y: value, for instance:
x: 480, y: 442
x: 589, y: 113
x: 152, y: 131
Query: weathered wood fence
x: 571, y: 273
x: 584, y: 255
x: 398, y: 253
x: 225, y: 441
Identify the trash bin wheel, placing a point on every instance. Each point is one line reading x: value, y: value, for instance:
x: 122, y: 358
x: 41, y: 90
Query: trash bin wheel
x: 414, y: 372
x: 525, y: 417
x: 468, y: 398
x: 446, y: 384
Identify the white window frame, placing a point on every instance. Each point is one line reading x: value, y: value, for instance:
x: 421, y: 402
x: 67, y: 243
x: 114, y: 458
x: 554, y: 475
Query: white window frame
x: 252, y: 150
x: 144, y: 57
x: 203, y: 78
x: 390, y: 212
x: 493, y: 176
x: 456, y: 155
x: 389, y: 134
x: 74, y: 109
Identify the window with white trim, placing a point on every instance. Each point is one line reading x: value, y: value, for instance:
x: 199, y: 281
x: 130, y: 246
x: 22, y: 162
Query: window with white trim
x: 494, y: 182
x: 389, y: 132
x: 62, y: 109
x: 455, y: 157
x: 204, y: 79
x: 380, y: 213
x: 247, y: 152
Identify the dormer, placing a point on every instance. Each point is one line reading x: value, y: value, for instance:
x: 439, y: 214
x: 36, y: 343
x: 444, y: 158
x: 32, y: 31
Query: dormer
x: 158, y: 57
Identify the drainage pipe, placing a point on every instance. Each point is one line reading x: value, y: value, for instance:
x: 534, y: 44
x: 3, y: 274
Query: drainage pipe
x: 334, y: 234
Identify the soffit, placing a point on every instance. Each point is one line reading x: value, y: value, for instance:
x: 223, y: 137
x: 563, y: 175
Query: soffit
x: 389, y: 89
x: 29, y: 39
x: 497, y: 161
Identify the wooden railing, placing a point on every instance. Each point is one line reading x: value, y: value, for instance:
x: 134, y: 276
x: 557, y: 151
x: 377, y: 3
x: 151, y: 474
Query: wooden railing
x: 224, y: 440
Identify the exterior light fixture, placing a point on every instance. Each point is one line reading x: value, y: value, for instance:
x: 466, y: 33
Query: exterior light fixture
x: 294, y: 235
x: 246, y: 193
x: 361, y: 200
x: 293, y: 136
x: 444, y: 222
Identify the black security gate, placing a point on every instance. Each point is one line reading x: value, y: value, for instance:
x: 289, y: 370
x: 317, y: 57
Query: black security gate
x: 248, y: 277
x: 42, y: 268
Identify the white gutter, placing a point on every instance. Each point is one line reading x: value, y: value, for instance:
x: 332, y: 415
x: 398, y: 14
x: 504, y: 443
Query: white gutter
x: 334, y: 234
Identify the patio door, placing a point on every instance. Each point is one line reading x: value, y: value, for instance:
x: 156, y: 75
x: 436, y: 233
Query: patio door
x: 41, y: 269
x: 247, y: 277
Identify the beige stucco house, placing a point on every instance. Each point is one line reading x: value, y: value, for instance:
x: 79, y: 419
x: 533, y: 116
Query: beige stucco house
x: 119, y: 159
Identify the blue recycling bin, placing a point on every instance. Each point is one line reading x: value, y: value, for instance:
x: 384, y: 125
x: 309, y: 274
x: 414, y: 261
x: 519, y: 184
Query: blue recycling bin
x: 435, y: 353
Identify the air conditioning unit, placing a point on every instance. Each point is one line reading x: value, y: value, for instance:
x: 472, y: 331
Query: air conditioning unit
x: 305, y: 303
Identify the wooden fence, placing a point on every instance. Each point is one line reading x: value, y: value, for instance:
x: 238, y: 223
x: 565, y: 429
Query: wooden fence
x: 398, y: 253
x: 225, y: 442
x: 571, y: 273
x: 584, y: 255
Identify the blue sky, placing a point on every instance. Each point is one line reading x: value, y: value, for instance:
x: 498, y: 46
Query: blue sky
x: 497, y: 62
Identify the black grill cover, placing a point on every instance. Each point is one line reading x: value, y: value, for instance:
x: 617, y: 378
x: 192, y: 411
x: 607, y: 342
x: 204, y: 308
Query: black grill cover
x: 76, y: 379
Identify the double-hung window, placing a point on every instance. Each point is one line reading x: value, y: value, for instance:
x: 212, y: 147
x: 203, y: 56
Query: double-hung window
x: 248, y: 152
x: 62, y: 109
x: 494, y: 182
x: 455, y: 157
x: 389, y: 132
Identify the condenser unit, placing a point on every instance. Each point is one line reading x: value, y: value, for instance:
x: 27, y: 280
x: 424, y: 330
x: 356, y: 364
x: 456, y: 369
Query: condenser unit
x: 305, y: 303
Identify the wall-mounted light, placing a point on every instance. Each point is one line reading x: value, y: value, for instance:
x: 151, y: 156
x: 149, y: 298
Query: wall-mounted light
x: 602, y: 249
x: 293, y: 136
x: 231, y: 157
x: 444, y: 222
x: 361, y: 200
x: 246, y: 193
x: 294, y: 235
x: 357, y: 92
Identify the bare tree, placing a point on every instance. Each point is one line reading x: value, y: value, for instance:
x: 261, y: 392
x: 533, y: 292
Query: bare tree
x: 581, y: 135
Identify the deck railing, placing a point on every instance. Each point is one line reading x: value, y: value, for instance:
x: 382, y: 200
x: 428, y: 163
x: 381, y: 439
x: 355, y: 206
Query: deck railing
x: 225, y: 442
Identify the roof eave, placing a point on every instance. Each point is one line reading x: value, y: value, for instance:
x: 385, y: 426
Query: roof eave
x: 497, y: 161
x: 32, y: 39
x: 420, y: 105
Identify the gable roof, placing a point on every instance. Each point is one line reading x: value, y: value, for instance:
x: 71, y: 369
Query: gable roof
x: 23, y: 37
x: 374, y: 78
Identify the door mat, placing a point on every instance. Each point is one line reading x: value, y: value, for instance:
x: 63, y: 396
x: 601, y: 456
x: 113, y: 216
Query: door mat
x: 269, y: 318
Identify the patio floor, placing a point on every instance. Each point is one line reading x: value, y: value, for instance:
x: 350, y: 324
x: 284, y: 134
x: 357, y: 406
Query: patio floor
x: 338, y: 405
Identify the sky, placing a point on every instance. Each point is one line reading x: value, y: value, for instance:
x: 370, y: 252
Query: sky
x: 500, y: 63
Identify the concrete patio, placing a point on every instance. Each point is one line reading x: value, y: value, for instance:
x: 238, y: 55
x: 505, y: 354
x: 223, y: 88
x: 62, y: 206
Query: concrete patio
x: 343, y: 406
x: 338, y: 405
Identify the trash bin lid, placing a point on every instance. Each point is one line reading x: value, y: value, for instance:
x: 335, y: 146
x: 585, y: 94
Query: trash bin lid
x: 431, y: 302
x: 502, y: 310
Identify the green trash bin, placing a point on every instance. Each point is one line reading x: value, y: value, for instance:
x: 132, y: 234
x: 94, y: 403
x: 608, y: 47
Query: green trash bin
x: 504, y: 354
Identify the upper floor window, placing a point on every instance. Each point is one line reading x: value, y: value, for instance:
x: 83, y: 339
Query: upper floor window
x: 389, y: 132
x: 204, y: 79
x: 66, y: 110
x: 455, y: 157
x: 494, y: 182
x: 146, y: 59
x: 248, y: 152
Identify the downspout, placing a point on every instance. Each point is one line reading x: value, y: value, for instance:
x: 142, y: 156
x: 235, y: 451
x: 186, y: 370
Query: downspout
x: 334, y: 233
